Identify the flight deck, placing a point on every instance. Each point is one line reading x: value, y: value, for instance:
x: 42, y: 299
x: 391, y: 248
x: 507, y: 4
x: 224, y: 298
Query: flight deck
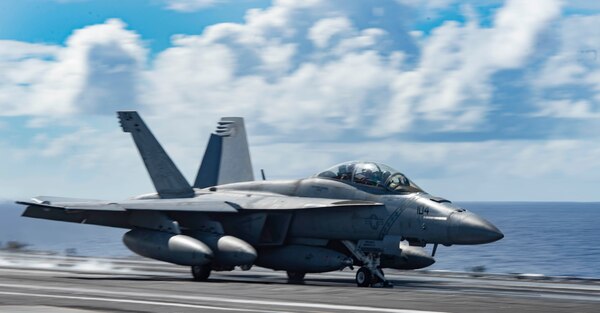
x: 45, y: 283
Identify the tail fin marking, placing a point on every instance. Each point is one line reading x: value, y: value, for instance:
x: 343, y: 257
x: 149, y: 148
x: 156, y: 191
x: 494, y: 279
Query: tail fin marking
x: 227, y: 156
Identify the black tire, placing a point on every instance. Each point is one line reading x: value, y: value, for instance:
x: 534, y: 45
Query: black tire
x: 201, y: 272
x: 295, y: 276
x: 364, y: 277
x: 375, y: 279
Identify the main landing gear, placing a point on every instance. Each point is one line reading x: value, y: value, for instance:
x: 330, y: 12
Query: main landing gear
x: 295, y: 277
x: 370, y: 274
x: 201, y: 272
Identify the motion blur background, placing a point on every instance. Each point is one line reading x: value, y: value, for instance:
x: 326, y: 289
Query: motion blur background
x: 474, y: 101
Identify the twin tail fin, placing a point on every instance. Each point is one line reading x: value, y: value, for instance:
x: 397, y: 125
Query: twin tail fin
x: 167, y: 179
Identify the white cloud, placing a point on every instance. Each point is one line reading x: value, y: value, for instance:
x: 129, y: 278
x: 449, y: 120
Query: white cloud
x: 82, y: 161
x: 293, y: 66
x: 489, y: 170
x: 21, y: 65
x: 568, y: 83
x: 323, y: 30
x: 581, y: 109
x: 96, y: 71
x: 451, y: 84
x: 313, y: 72
x: 104, y: 164
x: 516, y: 27
x: 256, y: 70
x: 189, y: 5
x: 12, y: 50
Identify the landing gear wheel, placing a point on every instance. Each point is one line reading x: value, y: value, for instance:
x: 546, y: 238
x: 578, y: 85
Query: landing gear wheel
x: 370, y: 274
x: 201, y: 272
x: 364, y: 277
x: 295, y: 277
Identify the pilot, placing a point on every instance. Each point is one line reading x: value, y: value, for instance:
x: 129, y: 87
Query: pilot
x: 403, y: 180
x: 376, y: 178
x: 385, y: 176
x: 368, y: 177
x: 345, y: 172
x: 398, y: 181
x: 363, y: 176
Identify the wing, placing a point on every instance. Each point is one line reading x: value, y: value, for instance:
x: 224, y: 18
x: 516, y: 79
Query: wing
x: 205, y: 203
x: 118, y: 214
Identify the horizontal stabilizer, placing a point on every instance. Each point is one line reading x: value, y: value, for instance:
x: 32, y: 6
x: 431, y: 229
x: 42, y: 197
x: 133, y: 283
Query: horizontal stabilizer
x: 227, y: 156
x: 167, y: 179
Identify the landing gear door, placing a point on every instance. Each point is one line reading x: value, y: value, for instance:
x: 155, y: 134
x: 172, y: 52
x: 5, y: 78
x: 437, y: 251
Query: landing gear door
x: 275, y: 229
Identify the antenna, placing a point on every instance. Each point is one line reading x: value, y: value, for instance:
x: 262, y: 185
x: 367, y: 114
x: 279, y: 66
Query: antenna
x: 262, y: 173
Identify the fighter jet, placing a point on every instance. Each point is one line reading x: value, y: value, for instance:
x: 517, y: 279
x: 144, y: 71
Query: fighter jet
x: 358, y: 213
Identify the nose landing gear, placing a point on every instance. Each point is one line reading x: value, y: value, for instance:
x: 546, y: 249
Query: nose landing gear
x: 364, y: 277
x: 370, y: 274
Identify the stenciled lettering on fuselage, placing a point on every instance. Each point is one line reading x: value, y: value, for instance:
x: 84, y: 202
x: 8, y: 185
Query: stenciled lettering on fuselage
x: 390, y: 221
x: 374, y: 221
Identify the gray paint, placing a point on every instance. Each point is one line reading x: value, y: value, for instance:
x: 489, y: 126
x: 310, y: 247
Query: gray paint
x: 228, y: 251
x: 172, y: 248
x: 227, y: 157
x: 167, y: 179
x: 208, y: 174
x: 303, y: 259
x: 281, y: 224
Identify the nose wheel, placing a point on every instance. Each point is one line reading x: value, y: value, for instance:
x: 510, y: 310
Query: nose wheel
x: 364, y: 278
x: 370, y: 275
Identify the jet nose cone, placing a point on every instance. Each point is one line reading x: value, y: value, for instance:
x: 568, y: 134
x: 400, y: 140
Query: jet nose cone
x: 468, y: 229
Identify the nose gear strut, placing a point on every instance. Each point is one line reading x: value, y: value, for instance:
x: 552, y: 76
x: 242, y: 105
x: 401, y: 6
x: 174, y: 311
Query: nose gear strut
x: 370, y: 274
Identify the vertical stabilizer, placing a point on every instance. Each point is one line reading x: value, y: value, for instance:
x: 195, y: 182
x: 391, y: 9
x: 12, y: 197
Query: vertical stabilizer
x: 227, y: 157
x: 167, y: 179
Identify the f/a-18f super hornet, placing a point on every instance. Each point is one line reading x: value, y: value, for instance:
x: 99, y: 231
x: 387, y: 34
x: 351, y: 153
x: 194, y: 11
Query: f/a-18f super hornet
x: 357, y: 213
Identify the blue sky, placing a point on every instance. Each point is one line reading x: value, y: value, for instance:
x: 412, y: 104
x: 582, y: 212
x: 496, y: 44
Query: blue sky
x: 53, y: 22
x: 483, y: 100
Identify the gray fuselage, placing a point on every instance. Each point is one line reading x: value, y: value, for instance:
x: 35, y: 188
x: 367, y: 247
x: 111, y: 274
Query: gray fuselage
x: 417, y: 217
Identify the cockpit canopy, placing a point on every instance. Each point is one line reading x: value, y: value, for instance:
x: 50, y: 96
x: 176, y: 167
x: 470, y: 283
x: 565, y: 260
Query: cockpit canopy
x: 371, y: 174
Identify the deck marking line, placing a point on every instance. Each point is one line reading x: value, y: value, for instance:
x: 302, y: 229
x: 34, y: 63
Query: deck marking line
x: 227, y: 300
x: 131, y: 301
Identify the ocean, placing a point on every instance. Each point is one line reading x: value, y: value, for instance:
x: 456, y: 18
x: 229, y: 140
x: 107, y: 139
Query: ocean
x: 549, y: 238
